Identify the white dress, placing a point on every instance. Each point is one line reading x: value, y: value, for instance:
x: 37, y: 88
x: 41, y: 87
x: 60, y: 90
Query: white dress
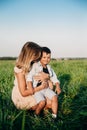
x: 19, y: 101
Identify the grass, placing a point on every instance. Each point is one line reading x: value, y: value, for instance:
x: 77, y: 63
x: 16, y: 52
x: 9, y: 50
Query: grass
x: 72, y: 111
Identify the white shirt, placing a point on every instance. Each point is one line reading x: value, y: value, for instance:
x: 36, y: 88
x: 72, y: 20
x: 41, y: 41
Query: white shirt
x: 36, y: 68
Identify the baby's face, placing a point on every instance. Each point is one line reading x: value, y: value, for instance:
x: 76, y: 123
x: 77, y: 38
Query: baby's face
x: 45, y: 58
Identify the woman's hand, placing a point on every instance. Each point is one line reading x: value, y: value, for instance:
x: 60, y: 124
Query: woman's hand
x: 45, y: 84
x: 41, y: 76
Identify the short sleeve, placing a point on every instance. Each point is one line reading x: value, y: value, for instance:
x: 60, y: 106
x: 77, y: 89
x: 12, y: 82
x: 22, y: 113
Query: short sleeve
x: 17, y: 70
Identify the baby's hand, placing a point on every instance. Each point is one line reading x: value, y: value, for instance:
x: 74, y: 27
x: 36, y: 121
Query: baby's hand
x: 58, y: 89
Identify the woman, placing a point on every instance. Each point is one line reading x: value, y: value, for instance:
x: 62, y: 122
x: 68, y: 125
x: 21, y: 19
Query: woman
x: 22, y: 96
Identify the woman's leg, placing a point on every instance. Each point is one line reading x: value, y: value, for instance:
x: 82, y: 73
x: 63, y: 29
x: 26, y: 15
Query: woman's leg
x: 34, y: 107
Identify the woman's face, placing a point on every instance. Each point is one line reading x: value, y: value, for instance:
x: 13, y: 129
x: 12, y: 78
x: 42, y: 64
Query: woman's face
x: 35, y: 57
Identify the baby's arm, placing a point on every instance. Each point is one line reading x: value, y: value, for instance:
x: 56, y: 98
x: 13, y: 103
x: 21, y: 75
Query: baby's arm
x: 50, y: 83
x: 56, y: 83
x: 57, y: 89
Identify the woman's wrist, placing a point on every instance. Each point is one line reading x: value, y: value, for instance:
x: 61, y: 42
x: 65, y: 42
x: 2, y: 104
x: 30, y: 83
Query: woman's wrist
x: 38, y: 88
x: 41, y: 87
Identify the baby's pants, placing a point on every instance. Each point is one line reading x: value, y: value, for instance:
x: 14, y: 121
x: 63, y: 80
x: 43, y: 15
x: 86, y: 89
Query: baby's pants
x: 42, y: 94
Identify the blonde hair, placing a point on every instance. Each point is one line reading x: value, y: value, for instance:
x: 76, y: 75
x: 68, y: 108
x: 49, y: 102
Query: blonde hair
x: 30, y: 52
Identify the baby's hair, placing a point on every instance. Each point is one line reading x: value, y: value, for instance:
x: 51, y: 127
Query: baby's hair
x: 46, y: 49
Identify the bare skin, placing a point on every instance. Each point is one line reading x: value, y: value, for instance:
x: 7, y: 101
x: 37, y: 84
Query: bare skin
x: 41, y: 76
x: 50, y: 104
x: 23, y: 87
x: 41, y: 105
x: 30, y: 90
x: 27, y: 89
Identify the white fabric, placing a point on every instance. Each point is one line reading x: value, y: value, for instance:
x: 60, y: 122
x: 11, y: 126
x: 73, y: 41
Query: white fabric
x: 36, y: 68
x: 42, y: 94
x: 19, y: 101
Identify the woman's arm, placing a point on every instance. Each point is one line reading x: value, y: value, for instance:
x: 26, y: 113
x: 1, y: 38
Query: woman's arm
x: 36, y: 89
x: 27, y: 89
x: 43, y: 85
x: 23, y: 86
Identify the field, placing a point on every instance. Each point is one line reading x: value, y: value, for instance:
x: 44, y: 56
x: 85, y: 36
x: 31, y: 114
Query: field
x: 72, y: 113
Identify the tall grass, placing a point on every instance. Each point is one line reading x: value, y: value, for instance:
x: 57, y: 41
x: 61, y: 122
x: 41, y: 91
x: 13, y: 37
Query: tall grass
x: 72, y: 113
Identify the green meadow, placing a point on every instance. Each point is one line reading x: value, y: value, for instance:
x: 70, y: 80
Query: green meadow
x: 72, y: 112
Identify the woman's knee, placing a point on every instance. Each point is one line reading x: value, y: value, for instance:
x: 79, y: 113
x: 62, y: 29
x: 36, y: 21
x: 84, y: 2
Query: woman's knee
x: 34, y: 107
